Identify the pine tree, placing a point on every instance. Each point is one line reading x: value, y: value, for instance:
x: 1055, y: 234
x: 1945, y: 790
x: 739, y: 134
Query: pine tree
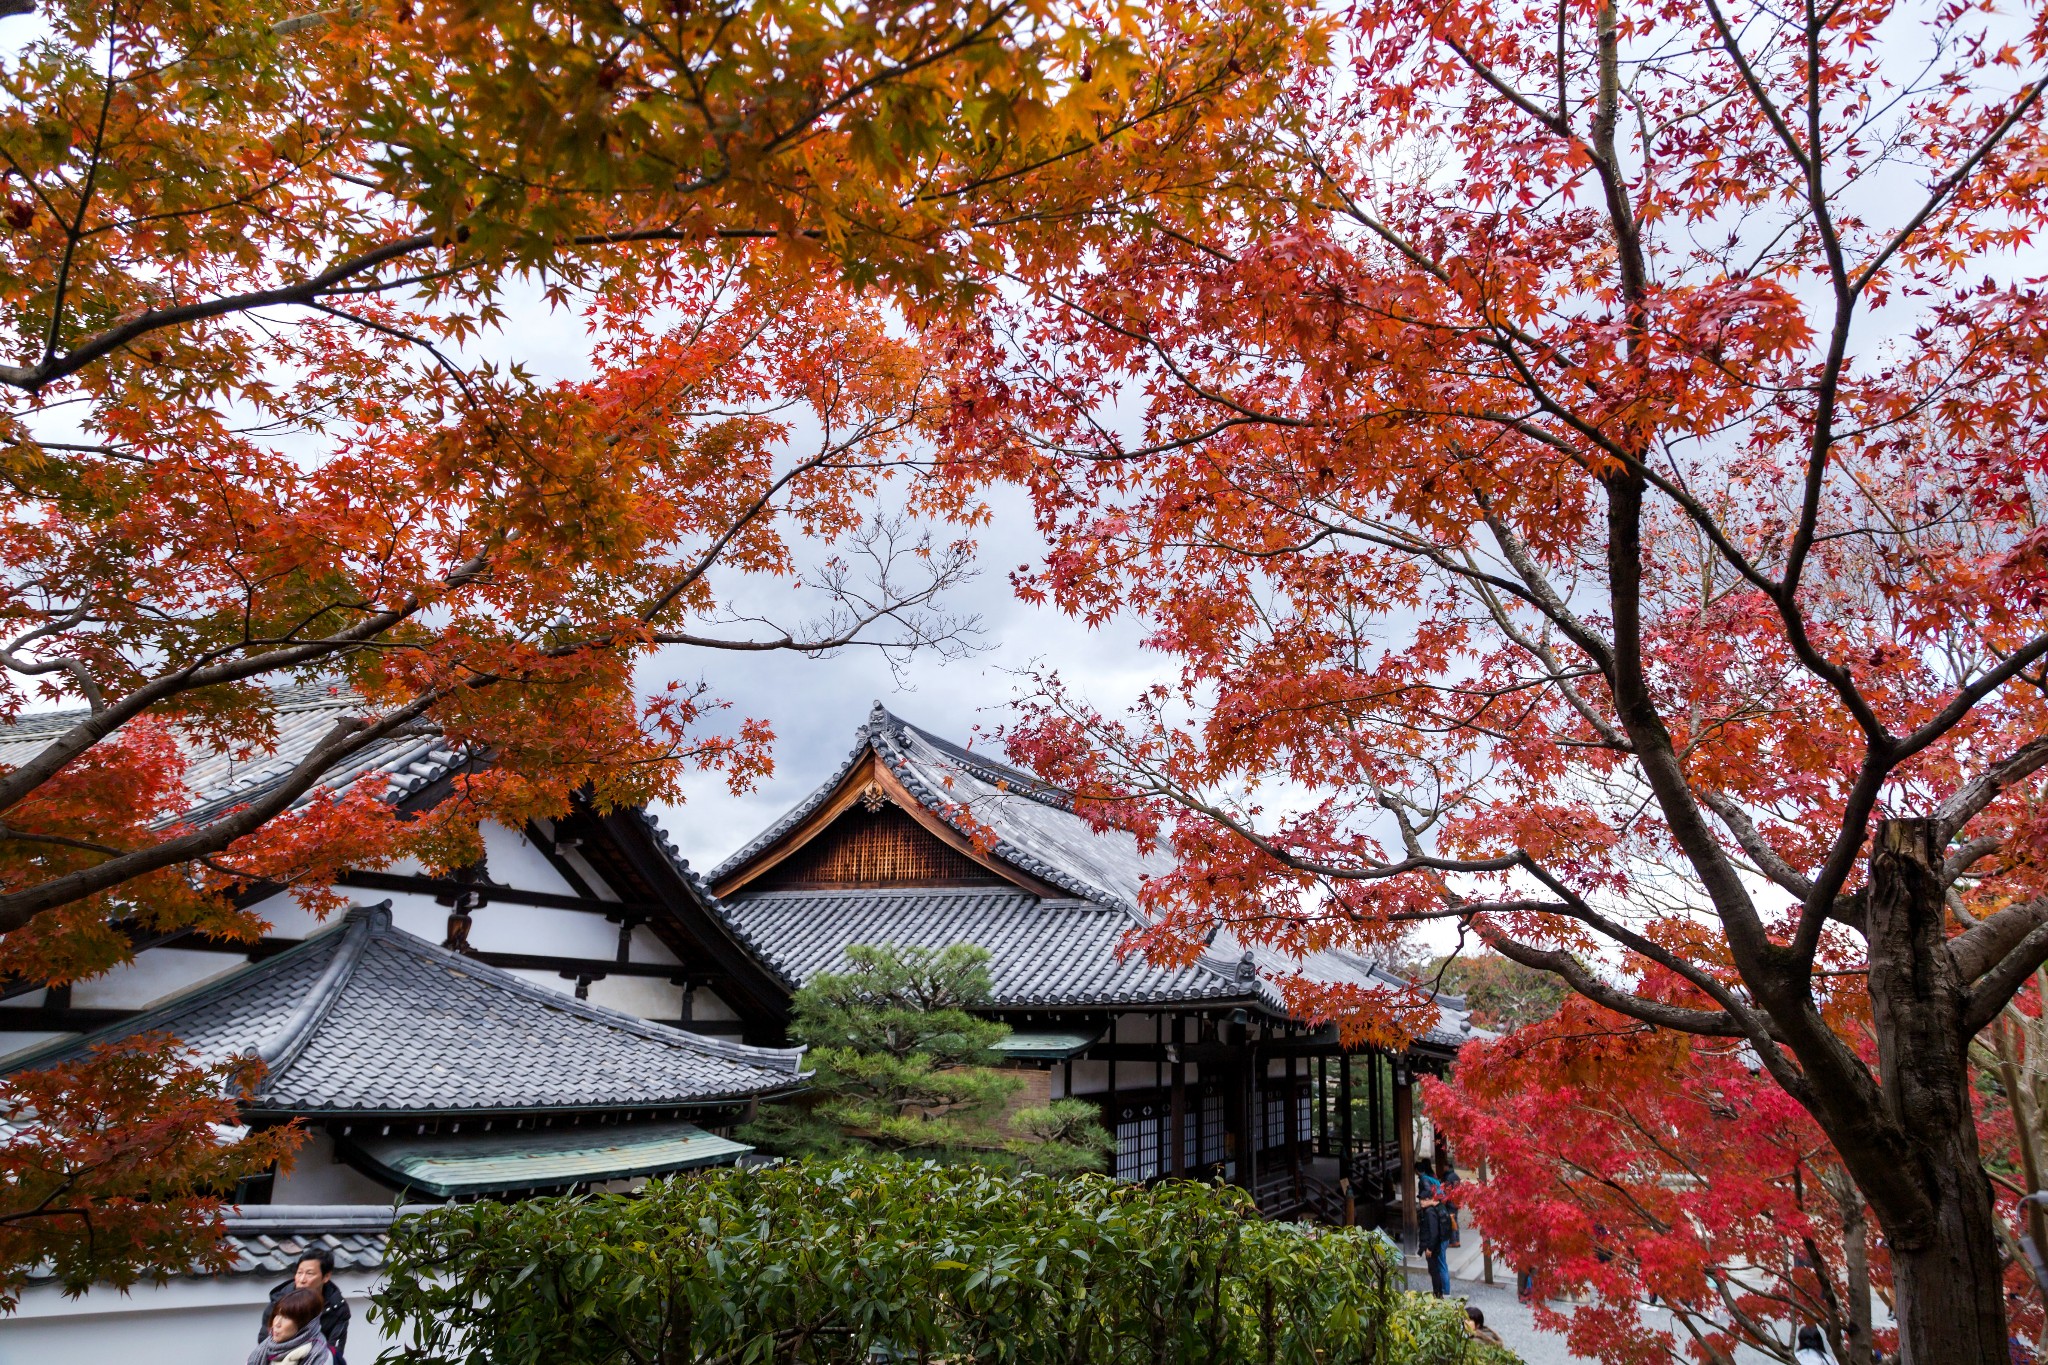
x: 900, y: 1063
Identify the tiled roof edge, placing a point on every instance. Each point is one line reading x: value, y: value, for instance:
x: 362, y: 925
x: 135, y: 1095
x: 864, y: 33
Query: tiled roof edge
x: 317, y: 1218
x: 701, y: 887
x: 786, y: 1060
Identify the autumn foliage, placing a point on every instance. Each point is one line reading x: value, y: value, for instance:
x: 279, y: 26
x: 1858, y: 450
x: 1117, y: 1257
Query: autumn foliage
x: 1637, y: 1173
x: 263, y: 421
x: 115, y: 1166
x: 1586, y: 489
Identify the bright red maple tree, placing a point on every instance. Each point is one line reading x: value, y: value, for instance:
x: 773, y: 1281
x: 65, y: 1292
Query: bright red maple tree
x: 1671, y: 1201
x: 1586, y: 470
x: 254, y: 265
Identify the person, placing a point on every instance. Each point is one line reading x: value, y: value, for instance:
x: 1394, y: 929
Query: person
x: 1434, y: 1233
x: 1475, y: 1323
x: 1448, y: 1178
x: 1813, y: 1348
x: 315, y: 1272
x: 294, y: 1337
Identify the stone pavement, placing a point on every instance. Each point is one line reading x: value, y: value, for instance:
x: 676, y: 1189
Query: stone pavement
x: 1513, y: 1319
x: 1517, y: 1324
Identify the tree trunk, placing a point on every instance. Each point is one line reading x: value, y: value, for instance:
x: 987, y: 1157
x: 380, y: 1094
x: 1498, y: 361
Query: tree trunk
x: 1855, y: 1350
x: 1936, y: 1211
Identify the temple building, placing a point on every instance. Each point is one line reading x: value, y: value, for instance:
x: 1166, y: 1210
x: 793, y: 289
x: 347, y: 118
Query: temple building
x: 580, y: 1007
x: 916, y: 840
x: 419, y: 1072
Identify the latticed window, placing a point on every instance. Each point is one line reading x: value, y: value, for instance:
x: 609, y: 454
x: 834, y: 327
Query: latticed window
x: 1138, y: 1146
x: 1212, y: 1129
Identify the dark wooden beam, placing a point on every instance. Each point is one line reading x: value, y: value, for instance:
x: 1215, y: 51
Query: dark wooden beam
x: 592, y: 967
x: 490, y: 891
x: 58, y: 1019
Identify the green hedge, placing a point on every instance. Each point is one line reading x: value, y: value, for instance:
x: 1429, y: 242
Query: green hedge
x: 870, y: 1261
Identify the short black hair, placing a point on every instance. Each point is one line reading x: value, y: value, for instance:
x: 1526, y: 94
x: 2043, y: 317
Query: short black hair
x: 324, y: 1255
x: 1810, y: 1339
x: 1478, y: 1318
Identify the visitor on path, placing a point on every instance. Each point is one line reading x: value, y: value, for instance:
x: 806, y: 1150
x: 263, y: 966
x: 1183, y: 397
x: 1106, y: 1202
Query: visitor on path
x: 294, y: 1337
x: 315, y: 1272
x: 1434, y: 1233
x: 1447, y: 1177
x: 1475, y: 1323
x: 1813, y: 1348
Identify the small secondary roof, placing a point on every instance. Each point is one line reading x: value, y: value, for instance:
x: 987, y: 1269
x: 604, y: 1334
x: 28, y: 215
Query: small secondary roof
x: 460, y: 1165
x: 364, y: 1018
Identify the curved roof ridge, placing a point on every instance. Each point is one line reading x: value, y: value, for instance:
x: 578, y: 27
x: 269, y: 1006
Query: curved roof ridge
x: 360, y: 924
x: 1005, y: 775
x: 888, y: 746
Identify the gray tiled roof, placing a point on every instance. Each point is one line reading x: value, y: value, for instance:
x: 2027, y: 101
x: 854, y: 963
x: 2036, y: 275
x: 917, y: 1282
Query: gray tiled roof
x: 1042, y: 953
x: 1027, y: 823
x: 368, y: 1019
x: 268, y: 1239
x: 300, y: 717
x: 1060, y: 953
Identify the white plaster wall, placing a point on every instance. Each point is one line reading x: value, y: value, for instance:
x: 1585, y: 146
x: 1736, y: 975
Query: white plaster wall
x: 318, y: 1176
x: 153, y: 975
x: 185, y: 1322
x: 289, y: 919
x: 416, y: 914
x: 1092, y: 1077
x: 13, y: 1042
x: 550, y: 980
x: 705, y: 1004
x: 647, y: 996
x: 598, y: 885
x: 513, y: 860
x: 647, y: 947
x: 502, y: 927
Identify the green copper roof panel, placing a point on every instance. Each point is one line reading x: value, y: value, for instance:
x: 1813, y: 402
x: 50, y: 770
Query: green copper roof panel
x: 1042, y: 1045
x: 453, y: 1165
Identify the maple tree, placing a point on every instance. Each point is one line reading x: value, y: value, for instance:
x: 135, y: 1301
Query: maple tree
x: 116, y: 1163
x: 1630, y: 1167
x: 259, y: 270
x: 1585, y: 465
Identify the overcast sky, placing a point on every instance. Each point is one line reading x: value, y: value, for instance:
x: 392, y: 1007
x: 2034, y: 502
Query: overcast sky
x: 815, y: 705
